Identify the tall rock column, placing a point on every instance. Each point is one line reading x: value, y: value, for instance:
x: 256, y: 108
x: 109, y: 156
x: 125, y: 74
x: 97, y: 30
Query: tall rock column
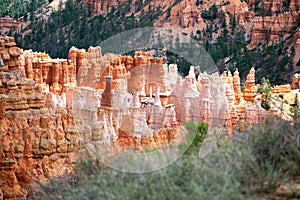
x: 2, y: 107
x: 157, y: 112
x: 234, y: 116
x: 170, y: 116
x: 205, y: 101
x: 250, y: 89
x: 28, y: 66
x: 107, y: 99
x: 10, y: 53
x: 56, y: 76
x: 237, y: 87
x: 78, y: 56
x: 230, y: 92
x: 296, y: 82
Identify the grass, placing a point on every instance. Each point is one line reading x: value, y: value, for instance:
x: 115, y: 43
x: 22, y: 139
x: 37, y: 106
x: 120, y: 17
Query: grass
x: 250, y: 165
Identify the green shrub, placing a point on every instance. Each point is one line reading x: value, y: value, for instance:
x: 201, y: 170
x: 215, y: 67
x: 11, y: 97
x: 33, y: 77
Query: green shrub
x: 200, y: 129
x: 266, y: 155
x: 250, y: 165
x: 295, y: 112
x: 265, y: 89
x: 196, y: 134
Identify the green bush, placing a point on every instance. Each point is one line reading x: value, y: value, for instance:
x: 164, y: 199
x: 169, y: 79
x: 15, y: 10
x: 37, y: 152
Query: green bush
x: 267, y: 155
x: 265, y: 89
x: 295, y: 112
x: 210, y: 14
x: 200, y: 129
x: 250, y: 165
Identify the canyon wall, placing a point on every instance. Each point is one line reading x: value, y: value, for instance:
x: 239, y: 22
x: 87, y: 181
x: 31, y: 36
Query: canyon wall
x: 54, y: 74
x: 100, y: 7
x: 37, y: 143
x: 51, y: 108
x: 272, y: 28
x: 7, y: 24
x: 270, y: 20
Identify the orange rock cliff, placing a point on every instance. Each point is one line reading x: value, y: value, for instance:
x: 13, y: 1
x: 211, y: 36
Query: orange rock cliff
x: 51, y: 108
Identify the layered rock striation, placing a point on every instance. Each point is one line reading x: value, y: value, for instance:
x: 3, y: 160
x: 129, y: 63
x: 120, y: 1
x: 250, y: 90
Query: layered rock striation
x: 54, y: 74
x: 35, y: 145
x: 51, y: 108
x: 7, y: 23
x: 296, y: 81
x: 250, y: 88
x: 9, y: 55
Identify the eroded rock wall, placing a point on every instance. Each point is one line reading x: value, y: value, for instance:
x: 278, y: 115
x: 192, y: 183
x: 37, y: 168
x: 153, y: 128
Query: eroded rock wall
x: 54, y: 74
x: 35, y: 145
x: 51, y: 108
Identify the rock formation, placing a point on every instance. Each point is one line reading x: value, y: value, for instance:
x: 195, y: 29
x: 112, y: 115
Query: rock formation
x: 250, y: 88
x: 170, y: 117
x: 281, y: 89
x: 230, y: 92
x: 190, y: 15
x: 296, y: 82
x: 20, y: 93
x: 7, y: 23
x: 275, y: 25
x: 297, y: 53
x: 54, y: 74
x: 9, y: 54
x: 51, y: 108
x: 139, y: 71
x: 237, y: 87
x: 158, y: 140
x: 9, y: 185
x: 41, y: 142
x: 100, y: 7
x: 107, y: 93
x: 36, y: 143
x: 91, y: 65
x: 192, y: 105
x: 254, y: 114
x: 2, y: 106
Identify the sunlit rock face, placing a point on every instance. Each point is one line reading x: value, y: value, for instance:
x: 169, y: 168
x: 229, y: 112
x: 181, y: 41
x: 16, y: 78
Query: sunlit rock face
x: 250, y: 88
x: 218, y: 100
x: 171, y: 75
x: 37, y: 143
x: 276, y: 24
x: 209, y: 105
x: 85, y: 102
x: 38, y: 134
x: 281, y: 89
x: 141, y: 71
x: 9, y: 54
x: 237, y: 87
x: 51, y: 108
x: 20, y: 93
x: 90, y: 66
x: 213, y: 100
x: 101, y: 7
x: 54, y: 74
x: 296, y: 82
x: 145, y: 72
x: 54, y: 100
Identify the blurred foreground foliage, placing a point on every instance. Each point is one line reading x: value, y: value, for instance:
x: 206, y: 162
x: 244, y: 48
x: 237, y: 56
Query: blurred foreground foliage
x: 250, y: 165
